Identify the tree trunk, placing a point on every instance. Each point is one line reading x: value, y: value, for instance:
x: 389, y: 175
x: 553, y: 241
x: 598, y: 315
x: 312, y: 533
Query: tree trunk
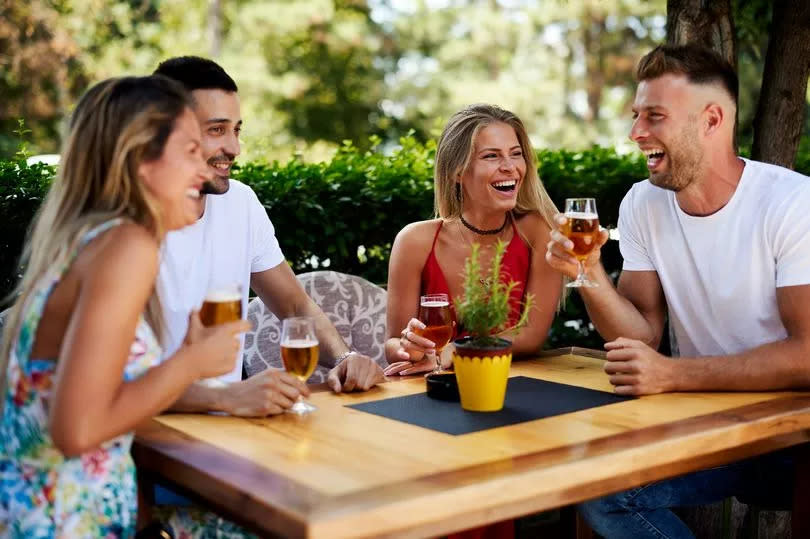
x: 780, y: 113
x: 593, y: 22
x: 215, y: 26
x: 701, y: 21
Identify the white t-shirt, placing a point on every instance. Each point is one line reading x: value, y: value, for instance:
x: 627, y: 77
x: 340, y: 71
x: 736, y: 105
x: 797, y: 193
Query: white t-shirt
x: 720, y: 272
x: 233, y: 239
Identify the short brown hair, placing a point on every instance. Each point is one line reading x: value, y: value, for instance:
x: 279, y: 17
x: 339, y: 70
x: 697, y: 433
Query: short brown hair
x: 700, y: 65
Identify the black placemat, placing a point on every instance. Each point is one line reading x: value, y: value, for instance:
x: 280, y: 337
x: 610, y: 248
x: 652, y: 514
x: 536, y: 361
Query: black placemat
x: 527, y: 399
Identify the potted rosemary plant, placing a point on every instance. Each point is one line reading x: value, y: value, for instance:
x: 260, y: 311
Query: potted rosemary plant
x: 482, y: 359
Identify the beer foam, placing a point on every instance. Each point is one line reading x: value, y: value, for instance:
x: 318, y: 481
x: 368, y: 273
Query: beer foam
x: 223, y: 296
x: 435, y: 303
x: 581, y: 215
x: 300, y: 343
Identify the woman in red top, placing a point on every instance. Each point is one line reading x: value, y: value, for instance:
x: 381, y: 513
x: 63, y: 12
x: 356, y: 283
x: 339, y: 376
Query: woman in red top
x: 486, y: 190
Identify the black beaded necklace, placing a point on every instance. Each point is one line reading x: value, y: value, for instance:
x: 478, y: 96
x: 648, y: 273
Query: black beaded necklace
x: 486, y: 232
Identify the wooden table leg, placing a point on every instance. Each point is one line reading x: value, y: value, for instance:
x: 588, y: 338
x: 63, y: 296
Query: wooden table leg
x: 584, y: 531
x: 146, y: 499
x: 800, y: 519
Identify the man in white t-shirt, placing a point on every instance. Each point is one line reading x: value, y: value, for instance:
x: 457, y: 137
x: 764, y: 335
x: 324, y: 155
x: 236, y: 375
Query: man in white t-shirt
x: 721, y: 245
x: 234, y: 243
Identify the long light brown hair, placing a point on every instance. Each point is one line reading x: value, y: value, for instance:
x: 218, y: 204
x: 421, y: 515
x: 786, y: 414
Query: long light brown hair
x: 454, y: 154
x: 117, y: 125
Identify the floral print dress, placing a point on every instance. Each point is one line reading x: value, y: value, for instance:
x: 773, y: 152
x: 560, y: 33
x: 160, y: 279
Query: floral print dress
x: 42, y: 492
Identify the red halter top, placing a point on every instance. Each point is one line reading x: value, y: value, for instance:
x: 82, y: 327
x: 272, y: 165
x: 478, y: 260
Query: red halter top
x: 514, y: 267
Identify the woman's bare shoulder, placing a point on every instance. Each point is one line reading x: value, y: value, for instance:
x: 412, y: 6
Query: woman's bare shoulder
x: 419, y: 235
x: 533, y: 226
x: 121, y: 249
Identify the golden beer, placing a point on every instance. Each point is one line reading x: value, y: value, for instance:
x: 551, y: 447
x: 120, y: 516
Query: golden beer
x: 438, y: 322
x: 300, y: 357
x: 221, y: 307
x: 583, y: 231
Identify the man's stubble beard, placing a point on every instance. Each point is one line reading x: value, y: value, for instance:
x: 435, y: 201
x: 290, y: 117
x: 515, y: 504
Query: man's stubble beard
x: 685, y: 156
x: 217, y: 186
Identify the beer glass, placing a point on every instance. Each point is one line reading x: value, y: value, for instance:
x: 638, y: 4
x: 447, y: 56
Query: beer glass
x: 582, y: 228
x: 222, y: 304
x: 434, y: 312
x: 299, y: 352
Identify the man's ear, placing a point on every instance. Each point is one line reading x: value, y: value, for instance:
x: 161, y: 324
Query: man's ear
x: 714, y: 117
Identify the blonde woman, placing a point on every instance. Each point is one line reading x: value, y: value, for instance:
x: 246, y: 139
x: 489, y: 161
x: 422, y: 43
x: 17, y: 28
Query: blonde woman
x: 486, y: 190
x: 77, y: 366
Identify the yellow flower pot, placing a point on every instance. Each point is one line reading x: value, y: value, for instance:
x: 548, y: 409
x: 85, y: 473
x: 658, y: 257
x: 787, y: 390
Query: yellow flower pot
x: 482, y: 374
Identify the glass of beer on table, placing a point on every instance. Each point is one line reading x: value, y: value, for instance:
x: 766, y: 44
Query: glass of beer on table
x: 434, y: 312
x: 299, y: 353
x: 582, y: 228
x: 222, y: 304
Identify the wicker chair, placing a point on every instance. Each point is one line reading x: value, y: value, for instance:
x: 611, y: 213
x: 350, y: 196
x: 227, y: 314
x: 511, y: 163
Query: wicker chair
x: 355, y: 306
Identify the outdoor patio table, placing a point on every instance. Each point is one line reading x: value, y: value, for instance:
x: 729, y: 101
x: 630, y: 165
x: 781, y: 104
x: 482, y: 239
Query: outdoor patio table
x: 343, y: 472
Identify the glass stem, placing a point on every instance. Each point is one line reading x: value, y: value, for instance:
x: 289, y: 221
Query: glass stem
x: 581, y: 273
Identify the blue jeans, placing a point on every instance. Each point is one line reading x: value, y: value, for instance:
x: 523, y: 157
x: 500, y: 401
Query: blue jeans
x: 166, y: 496
x: 644, y: 511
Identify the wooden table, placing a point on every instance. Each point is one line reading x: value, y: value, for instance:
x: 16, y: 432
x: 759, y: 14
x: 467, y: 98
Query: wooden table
x: 346, y: 473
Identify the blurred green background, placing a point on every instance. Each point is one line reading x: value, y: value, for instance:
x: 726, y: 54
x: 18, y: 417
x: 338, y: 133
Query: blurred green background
x: 313, y: 73
x: 342, y: 101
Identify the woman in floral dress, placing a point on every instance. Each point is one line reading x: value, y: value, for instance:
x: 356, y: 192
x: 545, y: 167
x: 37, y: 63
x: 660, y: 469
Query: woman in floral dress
x: 78, y: 362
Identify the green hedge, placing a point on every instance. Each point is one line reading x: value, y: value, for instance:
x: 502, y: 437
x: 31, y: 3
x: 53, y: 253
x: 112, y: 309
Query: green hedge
x: 343, y: 214
x: 22, y: 189
x: 361, y: 200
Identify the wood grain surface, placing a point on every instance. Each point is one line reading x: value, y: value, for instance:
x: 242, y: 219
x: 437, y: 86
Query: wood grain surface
x: 345, y: 473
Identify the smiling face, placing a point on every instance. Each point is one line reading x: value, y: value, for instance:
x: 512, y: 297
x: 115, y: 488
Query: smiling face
x: 497, y: 168
x: 666, y: 118
x: 176, y: 177
x: 221, y: 123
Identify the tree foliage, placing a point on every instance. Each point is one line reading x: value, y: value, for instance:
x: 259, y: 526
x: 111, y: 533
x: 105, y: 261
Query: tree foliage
x: 771, y: 112
x: 313, y: 73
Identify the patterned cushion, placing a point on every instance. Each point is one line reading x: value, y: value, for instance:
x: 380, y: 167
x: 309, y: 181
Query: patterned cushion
x: 3, y: 316
x: 355, y: 306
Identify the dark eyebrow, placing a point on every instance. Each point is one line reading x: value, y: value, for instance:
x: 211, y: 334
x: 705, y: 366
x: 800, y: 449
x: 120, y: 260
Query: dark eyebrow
x: 222, y: 121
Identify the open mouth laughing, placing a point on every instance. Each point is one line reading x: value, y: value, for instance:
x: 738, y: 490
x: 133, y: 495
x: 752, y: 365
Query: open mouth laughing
x: 505, y: 186
x: 655, y: 156
x: 222, y: 168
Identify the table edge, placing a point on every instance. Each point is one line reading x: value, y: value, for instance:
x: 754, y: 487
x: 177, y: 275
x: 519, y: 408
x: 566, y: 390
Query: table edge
x: 298, y: 510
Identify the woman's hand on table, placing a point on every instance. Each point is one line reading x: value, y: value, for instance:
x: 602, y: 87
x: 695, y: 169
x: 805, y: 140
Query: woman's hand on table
x: 415, y: 352
x: 426, y: 364
x: 412, y: 346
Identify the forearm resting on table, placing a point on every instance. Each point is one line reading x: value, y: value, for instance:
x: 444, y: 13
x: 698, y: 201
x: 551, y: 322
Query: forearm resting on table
x: 201, y: 397
x: 779, y: 365
x: 615, y: 316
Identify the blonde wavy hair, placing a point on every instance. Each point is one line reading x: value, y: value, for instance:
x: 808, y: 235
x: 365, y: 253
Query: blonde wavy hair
x: 117, y: 125
x: 454, y: 154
